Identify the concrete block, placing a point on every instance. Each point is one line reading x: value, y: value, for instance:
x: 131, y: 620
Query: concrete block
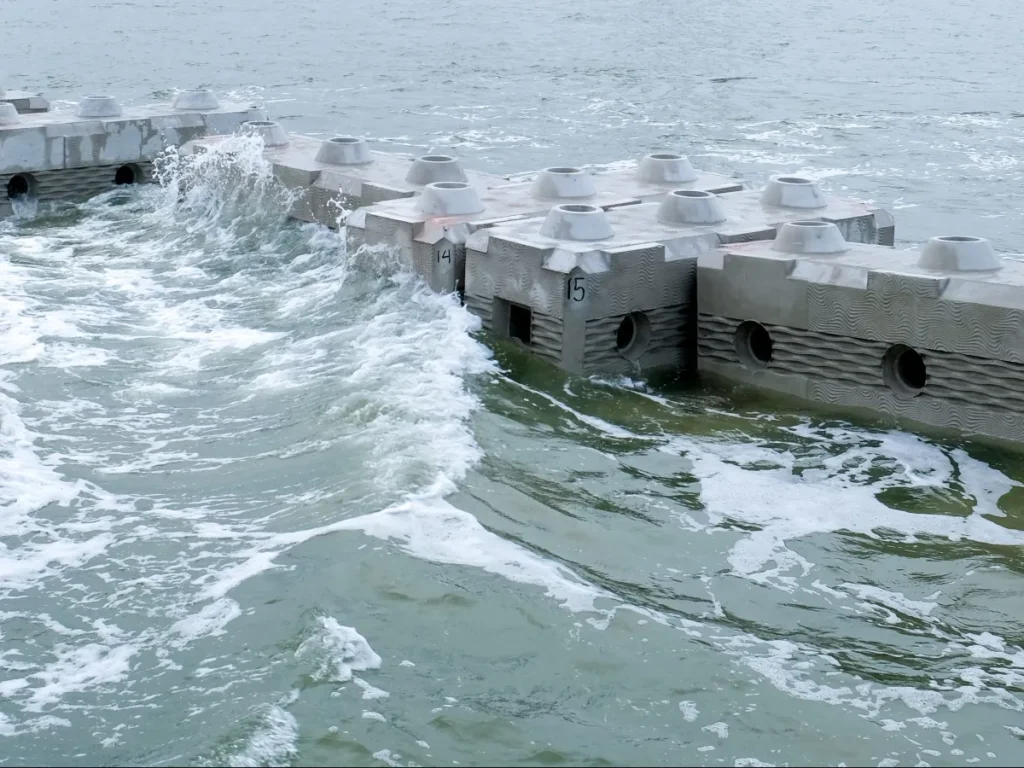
x: 434, y: 244
x: 330, y: 178
x: 590, y: 290
x: 934, y: 336
x: 652, y: 178
x: 101, y: 144
x: 24, y: 103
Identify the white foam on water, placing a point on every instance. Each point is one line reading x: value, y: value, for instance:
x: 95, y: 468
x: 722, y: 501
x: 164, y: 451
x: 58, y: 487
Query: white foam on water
x: 338, y: 651
x: 274, y: 743
x: 689, y: 711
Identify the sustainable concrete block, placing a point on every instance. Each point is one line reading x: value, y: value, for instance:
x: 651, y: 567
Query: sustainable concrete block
x: 590, y: 290
x: 653, y: 177
x: 69, y: 156
x: 330, y: 178
x: 933, y: 335
x: 25, y: 103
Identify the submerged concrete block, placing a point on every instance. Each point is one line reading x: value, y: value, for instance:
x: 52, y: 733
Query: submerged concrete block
x: 70, y: 156
x: 330, y: 178
x: 24, y: 103
x: 934, y: 336
x: 592, y: 291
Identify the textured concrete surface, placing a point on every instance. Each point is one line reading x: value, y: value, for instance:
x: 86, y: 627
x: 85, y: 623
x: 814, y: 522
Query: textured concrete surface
x: 25, y: 103
x: 620, y: 305
x: 871, y: 328
x: 37, y: 150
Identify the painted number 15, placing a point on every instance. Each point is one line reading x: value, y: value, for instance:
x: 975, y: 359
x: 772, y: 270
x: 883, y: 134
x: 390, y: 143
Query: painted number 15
x: 574, y: 290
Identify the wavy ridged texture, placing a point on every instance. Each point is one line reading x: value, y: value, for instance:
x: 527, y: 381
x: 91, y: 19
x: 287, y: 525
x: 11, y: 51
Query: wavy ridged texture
x: 669, y: 344
x: 76, y: 184
x: 971, y: 393
x: 909, y: 311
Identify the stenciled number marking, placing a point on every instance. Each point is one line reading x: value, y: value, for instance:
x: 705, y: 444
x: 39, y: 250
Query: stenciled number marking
x: 574, y: 290
x: 445, y: 255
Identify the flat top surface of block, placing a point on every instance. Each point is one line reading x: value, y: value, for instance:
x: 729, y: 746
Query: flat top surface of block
x: 877, y: 258
x: 623, y: 185
x: 128, y: 114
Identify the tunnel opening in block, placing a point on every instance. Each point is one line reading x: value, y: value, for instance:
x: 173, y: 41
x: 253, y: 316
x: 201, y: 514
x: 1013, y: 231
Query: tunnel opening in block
x: 20, y: 186
x: 753, y: 344
x: 520, y: 322
x: 633, y: 335
x: 127, y: 175
x: 904, y: 370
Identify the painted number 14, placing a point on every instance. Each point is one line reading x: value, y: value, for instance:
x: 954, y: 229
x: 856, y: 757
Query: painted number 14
x: 444, y: 255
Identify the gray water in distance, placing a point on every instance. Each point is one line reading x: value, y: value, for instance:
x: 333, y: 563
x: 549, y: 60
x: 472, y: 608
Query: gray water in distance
x: 264, y: 504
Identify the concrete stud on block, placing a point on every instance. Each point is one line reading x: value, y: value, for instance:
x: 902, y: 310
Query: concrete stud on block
x: 272, y: 133
x: 666, y: 168
x: 563, y: 183
x: 98, y: 106
x: 198, y: 100
x: 688, y: 207
x: 450, y: 198
x: 430, y: 168
x: 958, y: 254
x: 3, y: 92
x: 344, y: 150
x: 8, y: 114
x: 573, y: 221
x: 809, y: 237
x: 793, y: 192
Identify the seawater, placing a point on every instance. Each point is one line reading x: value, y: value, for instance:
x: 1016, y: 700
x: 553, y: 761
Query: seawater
x: 263, y: 502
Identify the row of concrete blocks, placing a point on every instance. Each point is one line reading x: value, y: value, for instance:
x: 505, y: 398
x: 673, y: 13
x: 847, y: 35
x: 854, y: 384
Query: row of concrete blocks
x: 56, y: 156
x: 665, y: 267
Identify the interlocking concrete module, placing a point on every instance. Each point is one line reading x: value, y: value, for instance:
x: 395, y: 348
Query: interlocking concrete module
x: 615, y: 292
x: 935, y: 335
x: 51, y: 156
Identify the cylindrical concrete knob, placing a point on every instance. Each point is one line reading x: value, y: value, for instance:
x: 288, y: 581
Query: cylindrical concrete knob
x: 793, y: 192
x: 8, y: 114
x: 98, y: 106
x: 690, y: 207
x: 573, y: 221
x: 3, y: 92
x: 272, y: 133
x: 666, y: 168
x: 958, y: 254
x: 431, y: 168
x: 198, y: 100
x: 344, y: 150
x: 450, y: 198
x: 809, y: 237
x: 563, y: 183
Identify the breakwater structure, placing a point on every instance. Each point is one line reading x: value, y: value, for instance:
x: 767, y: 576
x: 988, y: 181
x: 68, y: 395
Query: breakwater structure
x: 52, y: 156
x: 653, y: 267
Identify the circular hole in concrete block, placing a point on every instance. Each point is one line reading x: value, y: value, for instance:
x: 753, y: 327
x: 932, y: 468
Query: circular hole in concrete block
x: 437, y: 158
x: 128, y: 174
x: 345, y: 140
x: 450, y: 185
x: 20, y: 186
x: 666, y: 156
x: 564, y: 170
x: 259, y: 123
x: 578, y: 208
x: 633, y: 335
x: 793, y: 180
x: 690, y: 193
x: 959, y: 239
x: 904, y: 370
x: 811, y: 224
x: 753, y: 345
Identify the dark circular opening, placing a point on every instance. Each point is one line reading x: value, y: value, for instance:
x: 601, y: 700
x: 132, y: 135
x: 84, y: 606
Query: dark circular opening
x: 577, y: 208
x: 344, y: 140
x: 904, y: 370
x: 633, y: 335
x: 666, y: 156
x: 691, y: 193
x: 449, y: 185
x: 753, y: 344
x: 958, y: 239
x: 18, y: 186
x: 793, y: 180
x: 810, y: 224
x: 436, y: 159
x: 564, y: 170
x: 125, y: 175
x: 259, y: 123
